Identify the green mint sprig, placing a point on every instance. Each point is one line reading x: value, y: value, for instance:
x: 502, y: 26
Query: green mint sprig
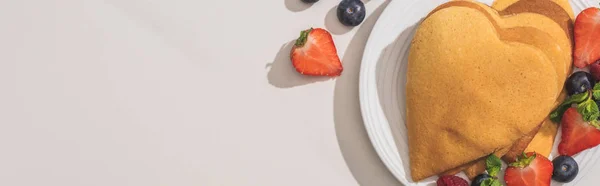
x: 556, y: 114
x: 588, y: 109
x: 585, y: 104
x: 493, y: 164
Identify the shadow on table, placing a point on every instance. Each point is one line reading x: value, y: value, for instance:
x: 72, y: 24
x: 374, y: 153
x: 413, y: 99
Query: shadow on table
x: 296, y: 5
x: 333, y: 24
x: 356, y: 148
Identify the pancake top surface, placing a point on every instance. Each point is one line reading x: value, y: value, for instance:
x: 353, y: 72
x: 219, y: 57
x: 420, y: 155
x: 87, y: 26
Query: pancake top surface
x: 561, y: 14
x: 462, y: 99
x: 535, y: 6
x: 546, y: 34
x: 538, y: 14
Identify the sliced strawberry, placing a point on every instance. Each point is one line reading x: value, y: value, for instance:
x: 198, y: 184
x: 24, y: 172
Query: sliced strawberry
x: 530, y: 169
x: 315, y: 54
x: 577, y: 134
x: 587, y: 37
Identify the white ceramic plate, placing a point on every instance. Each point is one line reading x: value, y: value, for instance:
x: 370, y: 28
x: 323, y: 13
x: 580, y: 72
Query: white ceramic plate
x: 382, y: 80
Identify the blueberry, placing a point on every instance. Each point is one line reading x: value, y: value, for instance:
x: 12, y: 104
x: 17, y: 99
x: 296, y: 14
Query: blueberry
x: 351, y: 12
x: 579, y: 82
x: 565, y: 169
x: 479, y: 179
x: 310, y: 1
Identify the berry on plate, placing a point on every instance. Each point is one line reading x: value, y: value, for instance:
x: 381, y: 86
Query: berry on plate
x: 587, y: 37
x: 565, y: 169
x: 530, y: 169
x: 314, y: 54
x: 577, y: 134
x: 451, y: 180
x: 351, y: 12
x: 579, y: 82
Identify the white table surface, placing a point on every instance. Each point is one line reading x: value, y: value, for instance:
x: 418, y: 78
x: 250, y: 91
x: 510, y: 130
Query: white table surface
x: 179, y: 92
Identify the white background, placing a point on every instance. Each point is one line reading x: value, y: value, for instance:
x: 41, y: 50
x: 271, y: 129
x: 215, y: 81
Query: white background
x: 177, y: 93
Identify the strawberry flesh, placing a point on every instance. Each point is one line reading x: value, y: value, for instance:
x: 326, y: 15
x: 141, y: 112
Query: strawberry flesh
x: 314, y: 54
x: 577, y: 134
x: 537, y: 172
x: 587, y: 37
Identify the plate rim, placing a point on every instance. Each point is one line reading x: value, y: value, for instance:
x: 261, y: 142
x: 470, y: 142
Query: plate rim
x: 365, y: 94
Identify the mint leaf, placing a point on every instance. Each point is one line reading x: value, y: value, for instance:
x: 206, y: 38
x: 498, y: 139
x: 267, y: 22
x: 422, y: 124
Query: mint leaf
x: 596, y: 87
x: 556, y: 114
x: 496, y: 183
x: 491, y: 182
x: 596, y: 91
x: 493, y: 164
x: 596, y: 94
x: 589, y: 110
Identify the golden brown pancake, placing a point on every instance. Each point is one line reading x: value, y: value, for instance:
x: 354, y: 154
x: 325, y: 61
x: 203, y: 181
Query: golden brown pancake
x: 474, y: 168
x: 471, y: 107
x: 543, y: 141
x: 540, y: 139
x: 517, y: 148
x: 560, y: 56
x: 543, y: 7
x: 500, y: 5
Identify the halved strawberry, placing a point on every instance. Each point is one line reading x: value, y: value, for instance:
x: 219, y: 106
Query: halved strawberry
x: 587, y: 37
x: 577, y: 134
x: 530, y: 169
x: 315, y: 54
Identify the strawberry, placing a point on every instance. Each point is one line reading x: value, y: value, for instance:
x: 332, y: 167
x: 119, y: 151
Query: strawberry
x: 315, y: 54
x: 587, y: 37
x: 531, y: 169
x: 577, y: 134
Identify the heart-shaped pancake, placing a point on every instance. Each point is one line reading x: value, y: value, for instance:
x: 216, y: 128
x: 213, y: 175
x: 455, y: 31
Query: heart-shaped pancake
x: 470, y: 92
x: 543, y: 141
x: 545, y: 13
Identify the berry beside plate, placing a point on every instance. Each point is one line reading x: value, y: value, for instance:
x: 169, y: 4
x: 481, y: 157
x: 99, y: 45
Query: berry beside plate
x: 314, y: 54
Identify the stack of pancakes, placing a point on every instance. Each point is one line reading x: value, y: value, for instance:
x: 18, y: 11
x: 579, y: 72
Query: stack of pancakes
x: 483, y: 80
